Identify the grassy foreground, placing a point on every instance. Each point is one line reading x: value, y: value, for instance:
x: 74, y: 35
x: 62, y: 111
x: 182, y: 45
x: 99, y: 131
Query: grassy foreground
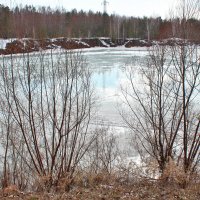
x: 107, y: 189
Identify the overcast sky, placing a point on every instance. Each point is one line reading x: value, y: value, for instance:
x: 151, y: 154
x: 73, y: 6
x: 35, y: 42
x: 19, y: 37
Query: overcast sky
x: 122, y: 7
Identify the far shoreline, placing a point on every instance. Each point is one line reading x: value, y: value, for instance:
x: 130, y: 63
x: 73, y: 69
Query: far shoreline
x: 29, y: 45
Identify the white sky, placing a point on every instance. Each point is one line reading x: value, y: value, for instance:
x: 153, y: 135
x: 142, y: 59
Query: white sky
x: 122, y: 7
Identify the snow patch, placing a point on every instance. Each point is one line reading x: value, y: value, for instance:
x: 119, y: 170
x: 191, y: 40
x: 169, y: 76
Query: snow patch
x: 104, y: 43
x: 3, y: 42
x: 81, y: 42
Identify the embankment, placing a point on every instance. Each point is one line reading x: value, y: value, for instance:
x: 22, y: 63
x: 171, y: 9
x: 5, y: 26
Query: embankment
x: 15, y: 46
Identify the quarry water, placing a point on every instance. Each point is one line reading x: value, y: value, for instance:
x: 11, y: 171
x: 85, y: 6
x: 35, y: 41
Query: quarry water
x: 109, y: 73
x: 108, y: 66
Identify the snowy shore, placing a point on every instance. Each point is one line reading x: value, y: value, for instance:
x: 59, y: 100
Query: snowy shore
x: 25, y: 45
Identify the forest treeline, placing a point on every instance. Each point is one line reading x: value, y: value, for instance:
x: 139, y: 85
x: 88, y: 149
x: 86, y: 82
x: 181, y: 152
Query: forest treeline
x: 45, y: 22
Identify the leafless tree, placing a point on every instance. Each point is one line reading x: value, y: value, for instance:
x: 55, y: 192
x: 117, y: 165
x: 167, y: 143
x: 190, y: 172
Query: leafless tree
x: 152, y: 106
x: 165, y: 114
x: 164, y: 105
x: 49, y: 99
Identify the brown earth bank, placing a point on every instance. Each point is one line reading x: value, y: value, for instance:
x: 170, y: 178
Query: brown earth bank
x: 144, y: 190
x: 30, y: 45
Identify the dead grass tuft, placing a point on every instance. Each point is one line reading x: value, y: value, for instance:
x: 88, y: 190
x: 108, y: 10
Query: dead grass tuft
x: 175, y: 175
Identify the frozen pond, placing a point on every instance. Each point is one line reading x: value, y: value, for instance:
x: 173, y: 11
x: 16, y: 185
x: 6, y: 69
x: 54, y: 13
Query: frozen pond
x: 108, y: 66
x: 109, y: 74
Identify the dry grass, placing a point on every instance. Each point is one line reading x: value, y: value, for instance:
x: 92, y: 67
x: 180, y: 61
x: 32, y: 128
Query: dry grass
x: 104, y: 186
x: 107, y: 187
x: 175, y: 175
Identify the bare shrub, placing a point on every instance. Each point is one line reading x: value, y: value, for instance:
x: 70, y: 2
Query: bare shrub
x: 46, y: 107
x: 103, y: 153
